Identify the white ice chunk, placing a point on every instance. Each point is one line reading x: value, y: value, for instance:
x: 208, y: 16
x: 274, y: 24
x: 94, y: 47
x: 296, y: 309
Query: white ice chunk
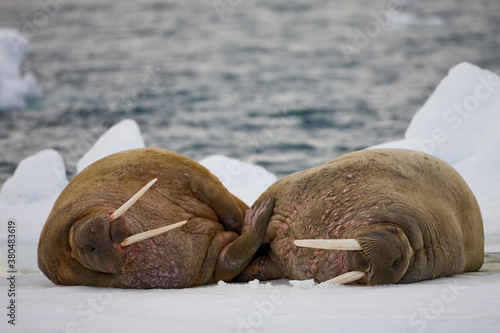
x: 460, y: 114
x: 122, y: 136
x: 244, y: 180
x: 254, y: 284
x: 15, y: 88
x: 303, y: 284
x: 26, y: 198
x: 36, y: 178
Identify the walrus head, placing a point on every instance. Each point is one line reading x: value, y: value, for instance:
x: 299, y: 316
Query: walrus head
x: 100, y: 242
x: 381, y: 254
x: 95, y: 243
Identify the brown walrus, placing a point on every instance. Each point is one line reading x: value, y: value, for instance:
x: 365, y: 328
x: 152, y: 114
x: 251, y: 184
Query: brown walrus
x: 86, y: 241
x: 388, y: 215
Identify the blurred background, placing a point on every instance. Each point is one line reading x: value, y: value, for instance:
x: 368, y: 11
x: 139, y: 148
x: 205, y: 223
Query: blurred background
x: 285, y: 84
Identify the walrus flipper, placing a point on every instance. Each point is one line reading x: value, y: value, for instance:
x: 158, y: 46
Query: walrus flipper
x: 236, y: 255
x: 209, y: 190
x: 260, y: 268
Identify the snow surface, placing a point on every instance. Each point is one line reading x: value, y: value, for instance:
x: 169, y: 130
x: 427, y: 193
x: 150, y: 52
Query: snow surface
x: 463, y: 303
x: 465, y: 137
x: 15, y: 88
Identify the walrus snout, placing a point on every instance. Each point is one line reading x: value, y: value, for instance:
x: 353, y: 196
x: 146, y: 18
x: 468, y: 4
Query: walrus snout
x: 385, y: 255
x: 119, y: 230
x: 95, y: 243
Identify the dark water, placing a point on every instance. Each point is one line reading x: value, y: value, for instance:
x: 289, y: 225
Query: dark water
x: 268, y: 83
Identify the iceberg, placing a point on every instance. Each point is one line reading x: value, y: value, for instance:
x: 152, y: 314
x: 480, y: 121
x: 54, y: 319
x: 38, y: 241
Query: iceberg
x: 15, y: 88
x: 36, y: 178
x: 26, y: 199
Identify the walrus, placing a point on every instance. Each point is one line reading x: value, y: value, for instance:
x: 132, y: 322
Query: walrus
x: 90, y: 239
x: 381, y: 216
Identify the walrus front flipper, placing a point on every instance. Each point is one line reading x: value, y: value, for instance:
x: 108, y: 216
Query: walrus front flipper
x: 208, y: 189
x: 262, y: 269
x: 236, y: 255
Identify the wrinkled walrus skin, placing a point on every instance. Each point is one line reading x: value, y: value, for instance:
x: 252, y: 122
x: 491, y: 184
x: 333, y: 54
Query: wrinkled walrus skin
x: 80, y: 245
x: 413, y: 215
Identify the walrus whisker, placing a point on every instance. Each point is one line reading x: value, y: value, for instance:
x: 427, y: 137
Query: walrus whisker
x: 150, y: 233
x: 347, y: 277
x: 329, y: 244
x: 126, y: 206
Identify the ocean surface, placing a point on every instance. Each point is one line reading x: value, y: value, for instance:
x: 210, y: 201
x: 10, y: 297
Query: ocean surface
x: 284, y: 84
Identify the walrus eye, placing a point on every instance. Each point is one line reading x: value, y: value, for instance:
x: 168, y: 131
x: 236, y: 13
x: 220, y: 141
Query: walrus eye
x: 91, y: 249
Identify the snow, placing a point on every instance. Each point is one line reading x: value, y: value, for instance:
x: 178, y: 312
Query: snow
x: 245, y: 180
x: 464, y: 303
x: 466, y: 138
x: 15, y: 88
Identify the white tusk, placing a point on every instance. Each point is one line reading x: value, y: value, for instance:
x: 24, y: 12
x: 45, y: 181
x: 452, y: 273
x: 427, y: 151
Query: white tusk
x: 151, y: 233
x: 126, y: 206
x: 347, y: 277
x: 330, y: 244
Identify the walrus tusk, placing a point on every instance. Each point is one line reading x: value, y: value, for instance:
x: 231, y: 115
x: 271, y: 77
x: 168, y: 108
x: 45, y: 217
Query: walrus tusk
x: 151, y: 233
x: 120, y: 211
x: 330, y: 244
x: 347, y: 277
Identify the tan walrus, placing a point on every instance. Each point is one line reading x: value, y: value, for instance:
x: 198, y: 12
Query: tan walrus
x: 379, y: 216
x: 86, y: 240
